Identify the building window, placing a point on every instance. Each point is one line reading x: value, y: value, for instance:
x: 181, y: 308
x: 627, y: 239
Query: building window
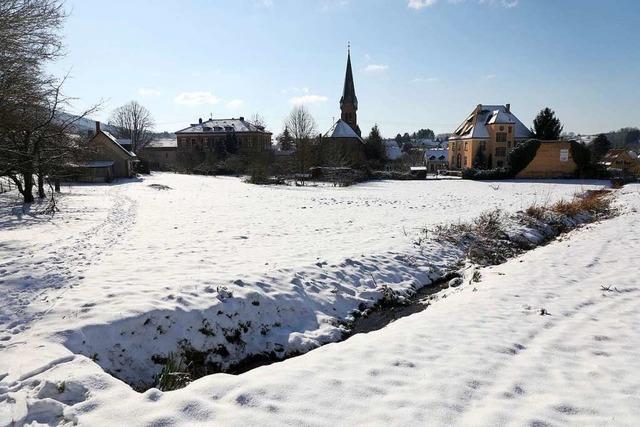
x: 483, y: 144
x: 500, y: 163
x: 510, y: 129
x: 501, y: 151
x: 465, y: 145
x: 501, y: 137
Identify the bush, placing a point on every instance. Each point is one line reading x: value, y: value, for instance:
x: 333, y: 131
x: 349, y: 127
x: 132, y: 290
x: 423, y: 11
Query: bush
x: 488, y: 174
x: 522, y: 155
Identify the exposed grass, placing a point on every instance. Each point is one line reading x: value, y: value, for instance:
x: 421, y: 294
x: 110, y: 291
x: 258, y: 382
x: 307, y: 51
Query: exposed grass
x: 174, y: 374
x: 487, y: 242
x: 593, y: 202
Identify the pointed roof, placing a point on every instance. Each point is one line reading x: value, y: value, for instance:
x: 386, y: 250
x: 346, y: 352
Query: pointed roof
x: 475, y: 126
x: 349, y: 91
x: 341, y: 129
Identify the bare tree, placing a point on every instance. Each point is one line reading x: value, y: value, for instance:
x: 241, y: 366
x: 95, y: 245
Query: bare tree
x: 301, y: 124
x: 258, y: 120
x: 34, y: 138
x: 133, y: 121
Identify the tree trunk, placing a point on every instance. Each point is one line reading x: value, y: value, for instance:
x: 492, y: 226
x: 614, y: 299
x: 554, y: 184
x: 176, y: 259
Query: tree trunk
x: 27, y: 192
x: 41, y: 193
x: 56, y: 183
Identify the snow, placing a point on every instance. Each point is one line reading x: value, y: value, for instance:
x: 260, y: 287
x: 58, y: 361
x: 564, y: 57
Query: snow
x: 475, y: 126
x: 120, y: 254
x: 341, y: 129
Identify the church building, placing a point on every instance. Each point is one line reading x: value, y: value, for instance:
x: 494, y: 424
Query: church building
x: 343, y: 143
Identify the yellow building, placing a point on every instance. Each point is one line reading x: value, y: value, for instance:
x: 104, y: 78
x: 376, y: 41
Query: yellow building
x: 624, y: 161
x: 486, y: 137
x: 552, y: 160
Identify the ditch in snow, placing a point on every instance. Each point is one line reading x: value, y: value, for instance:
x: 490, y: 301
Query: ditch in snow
x: 167, y: 349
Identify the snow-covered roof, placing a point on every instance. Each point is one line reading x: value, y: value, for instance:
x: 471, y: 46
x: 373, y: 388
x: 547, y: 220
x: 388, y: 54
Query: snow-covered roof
x: 436, y: 154
x: 115, y: 141
x: 341, y: 129
x: 96, y: 164
x: 162, y: 143
x: 223, y: 126
x: 475, y: 126
x: 392, y: 149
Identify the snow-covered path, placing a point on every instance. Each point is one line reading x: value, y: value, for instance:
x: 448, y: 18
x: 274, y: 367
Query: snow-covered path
x: 482, y: 356
x: 40, y: 268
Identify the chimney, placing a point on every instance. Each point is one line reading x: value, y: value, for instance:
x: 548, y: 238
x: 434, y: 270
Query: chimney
x: 479, y: 108
x: 97, y: 126
x: 241, y: 119
x: 200, y: 120
x: 508, y: 108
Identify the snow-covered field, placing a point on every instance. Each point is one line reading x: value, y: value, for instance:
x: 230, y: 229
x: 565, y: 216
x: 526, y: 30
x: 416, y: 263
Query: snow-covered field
x: 126, y: 271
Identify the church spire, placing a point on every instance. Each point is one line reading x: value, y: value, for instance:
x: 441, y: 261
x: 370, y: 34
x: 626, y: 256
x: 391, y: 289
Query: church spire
x: 349, y: 91
x: 349, y: 101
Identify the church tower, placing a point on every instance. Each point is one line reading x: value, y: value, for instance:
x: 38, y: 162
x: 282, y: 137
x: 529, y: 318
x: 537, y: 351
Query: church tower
x: 349, y: 101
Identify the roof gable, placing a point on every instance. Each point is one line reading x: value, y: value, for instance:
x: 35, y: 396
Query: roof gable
x: 114, y: 142
x: 475, y: 126
x: 341, y: 129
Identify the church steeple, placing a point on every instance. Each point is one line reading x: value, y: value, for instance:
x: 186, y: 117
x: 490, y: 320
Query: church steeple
x: 349, y: 101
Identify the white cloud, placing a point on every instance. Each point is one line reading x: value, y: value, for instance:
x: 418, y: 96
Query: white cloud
x: 196, y: 98
x: 234, y: 104
x: 146, y: 91
x: 490, y: 76
x: 376, y: 68
x: 420, y: 4
x: 425, y: 80
x: 307, y: 99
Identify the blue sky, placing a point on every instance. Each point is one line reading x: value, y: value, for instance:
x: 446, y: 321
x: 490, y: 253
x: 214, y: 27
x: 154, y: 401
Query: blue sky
x: 417, y: 63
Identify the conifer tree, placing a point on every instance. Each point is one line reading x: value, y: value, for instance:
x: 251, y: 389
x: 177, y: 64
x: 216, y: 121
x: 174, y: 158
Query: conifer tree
x: 546, y: 126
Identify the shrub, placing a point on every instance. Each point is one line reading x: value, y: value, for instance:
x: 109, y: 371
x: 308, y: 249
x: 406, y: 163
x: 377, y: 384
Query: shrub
x: 522, y: 155
x: 480, y: 175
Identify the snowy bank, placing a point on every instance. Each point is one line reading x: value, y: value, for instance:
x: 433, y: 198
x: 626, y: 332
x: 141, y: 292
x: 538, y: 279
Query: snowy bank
x: 197, y: 271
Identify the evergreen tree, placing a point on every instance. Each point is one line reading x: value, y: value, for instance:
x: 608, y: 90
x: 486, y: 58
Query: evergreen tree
x: 425, y: 134
x: 399, y: 140
x: 480, y: 159
x: 546, y: 126
x: 285, y: 140
x: 600, y: 146
x: 231, y: 145
x: 374, y: 147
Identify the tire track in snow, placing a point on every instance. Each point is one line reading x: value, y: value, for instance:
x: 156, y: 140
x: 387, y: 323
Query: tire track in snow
x: 46, y: 281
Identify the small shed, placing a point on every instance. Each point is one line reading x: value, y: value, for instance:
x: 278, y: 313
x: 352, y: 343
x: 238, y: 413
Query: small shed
x: 95, y: 171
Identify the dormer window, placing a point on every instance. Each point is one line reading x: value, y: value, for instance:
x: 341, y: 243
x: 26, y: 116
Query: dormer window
x: 501, y: 137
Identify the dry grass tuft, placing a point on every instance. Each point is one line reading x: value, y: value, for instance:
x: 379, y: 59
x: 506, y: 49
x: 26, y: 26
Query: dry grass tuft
x: 594, y: 202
